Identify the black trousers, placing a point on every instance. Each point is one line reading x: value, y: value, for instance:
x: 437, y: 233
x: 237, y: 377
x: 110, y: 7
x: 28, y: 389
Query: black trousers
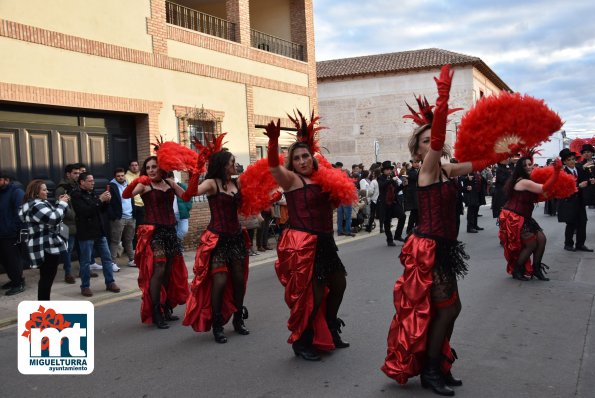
x: 472, y: 212
x: 388, y: 213
x: 412, y: 221
x: 10, y: 256
x: 579, y: 225
x: 372, y: 216
x: 47, y: 273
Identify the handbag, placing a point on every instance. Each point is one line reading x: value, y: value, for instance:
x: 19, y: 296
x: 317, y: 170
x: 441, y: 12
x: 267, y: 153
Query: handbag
x: 63, y: 231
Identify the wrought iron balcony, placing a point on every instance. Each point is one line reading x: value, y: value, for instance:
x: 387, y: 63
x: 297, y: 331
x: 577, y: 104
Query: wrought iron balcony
x: 276, y: 45
x: 192, y: 19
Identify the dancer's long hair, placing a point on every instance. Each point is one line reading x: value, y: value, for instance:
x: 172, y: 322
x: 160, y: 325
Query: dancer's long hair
x: 518, y: 173
x: 217, y: 164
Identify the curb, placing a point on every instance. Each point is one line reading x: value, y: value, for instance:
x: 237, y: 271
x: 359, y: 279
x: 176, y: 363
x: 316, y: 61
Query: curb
x: 131, y: 293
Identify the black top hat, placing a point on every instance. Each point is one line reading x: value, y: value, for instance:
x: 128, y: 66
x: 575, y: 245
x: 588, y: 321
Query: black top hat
x: 566, y: 153
x: 587, y: 147
x: 387, y: 165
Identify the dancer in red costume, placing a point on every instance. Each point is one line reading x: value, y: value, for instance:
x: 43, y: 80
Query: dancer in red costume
x: 520, y: 235
x: 308, y: 264
x: 426, y: 295
x: 163, y: 277
x: 222, y: 252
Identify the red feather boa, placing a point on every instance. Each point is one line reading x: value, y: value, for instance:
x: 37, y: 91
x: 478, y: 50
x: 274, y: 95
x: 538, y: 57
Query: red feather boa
x: 334, y: 181
x: 565, y: 184
x: 504, y: 123
x: 258, y: 185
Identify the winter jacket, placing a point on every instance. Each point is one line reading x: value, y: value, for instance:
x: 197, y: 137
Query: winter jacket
x: 11, y: 198
x: 67, y: 187
x: 90, y: 215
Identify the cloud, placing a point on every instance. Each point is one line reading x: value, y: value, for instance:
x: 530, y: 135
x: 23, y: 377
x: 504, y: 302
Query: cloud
x: 543, y: 48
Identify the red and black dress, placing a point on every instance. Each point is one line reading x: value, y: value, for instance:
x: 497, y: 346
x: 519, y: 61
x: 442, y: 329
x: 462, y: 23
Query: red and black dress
x: 516, y: 220
x: 222, y: 242
x: 433, y: 260
x: 307, y: 250
x: 157, y: 240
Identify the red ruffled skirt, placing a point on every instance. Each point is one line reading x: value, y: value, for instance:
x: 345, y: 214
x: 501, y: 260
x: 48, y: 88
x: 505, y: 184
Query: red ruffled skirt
x: 177, y: 290
x: 511, y: 225
x: 199, y: 313
x: 295, y: 270
x: 407, y: 336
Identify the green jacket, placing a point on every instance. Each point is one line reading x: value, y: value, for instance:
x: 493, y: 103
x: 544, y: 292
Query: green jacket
x: 184, y: 207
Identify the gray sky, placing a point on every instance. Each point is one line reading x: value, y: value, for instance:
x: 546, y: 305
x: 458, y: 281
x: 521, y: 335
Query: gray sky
x: 543, y: 48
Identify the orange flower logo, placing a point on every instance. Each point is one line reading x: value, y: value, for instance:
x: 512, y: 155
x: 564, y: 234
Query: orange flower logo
x: 43, y: 319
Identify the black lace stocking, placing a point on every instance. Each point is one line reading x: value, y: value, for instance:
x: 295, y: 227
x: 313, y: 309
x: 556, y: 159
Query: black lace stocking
x: 336, y: 284
x: 157, y: 281
x: 219, y: 282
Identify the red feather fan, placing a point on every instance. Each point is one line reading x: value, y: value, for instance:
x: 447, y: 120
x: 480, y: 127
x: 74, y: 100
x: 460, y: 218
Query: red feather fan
x: 504, y: 123
x: 565, y: 184
x: 173, y: 156
x: 258, y: 187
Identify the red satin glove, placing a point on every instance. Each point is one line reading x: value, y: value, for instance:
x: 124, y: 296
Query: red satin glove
x: 273, y: 132
x: 441, y: 111
x: 549, y: 184
x: 145, y: 180
x: 478, y: 165
x: 192, y: 187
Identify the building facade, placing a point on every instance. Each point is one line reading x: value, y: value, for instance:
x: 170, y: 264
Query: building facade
x: 96, y: 81
x: 362, y: 100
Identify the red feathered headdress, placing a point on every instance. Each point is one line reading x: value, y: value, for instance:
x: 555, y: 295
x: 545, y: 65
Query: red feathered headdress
x: 504, y: 123
x: 425, y: 114
x: 306, y: 131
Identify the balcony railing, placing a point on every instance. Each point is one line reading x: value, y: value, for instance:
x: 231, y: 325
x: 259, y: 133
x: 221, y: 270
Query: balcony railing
x: 276, y: 45
x: 200, y: 22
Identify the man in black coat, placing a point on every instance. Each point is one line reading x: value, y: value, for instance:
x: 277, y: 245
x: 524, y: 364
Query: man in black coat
x: 388, y: 203
x: 411, y: 195
x: 588, y: 167
x: 474, y: 197
x: 92, y: 232
x: 503, y: 172
x: 571, y: 210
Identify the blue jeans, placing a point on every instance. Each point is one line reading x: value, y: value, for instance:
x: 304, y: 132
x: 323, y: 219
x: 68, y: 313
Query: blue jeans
x: 181, y: 227
x: 67, y: 255
x: 344, y: 213
x: 86, y: 247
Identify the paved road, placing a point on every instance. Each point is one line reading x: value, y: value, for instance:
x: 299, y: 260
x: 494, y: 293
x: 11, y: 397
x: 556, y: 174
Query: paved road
x: 514, y: 339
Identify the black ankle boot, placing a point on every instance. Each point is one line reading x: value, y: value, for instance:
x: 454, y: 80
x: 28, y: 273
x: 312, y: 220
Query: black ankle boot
x: 238, y: 321
x: 432, y: 377
x: 539, y: 271
x: 168, y: 312
x: 335, y: 328
x: 158, y: 317
x: 450, y: 380
x: 518, y: 273
x: 218, y: 329
x: 303, y: 347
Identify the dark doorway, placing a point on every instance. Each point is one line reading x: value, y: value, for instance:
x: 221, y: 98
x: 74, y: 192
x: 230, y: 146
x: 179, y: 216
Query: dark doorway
x: 38, y: 142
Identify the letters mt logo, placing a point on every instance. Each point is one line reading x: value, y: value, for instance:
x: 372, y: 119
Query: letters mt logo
x: 56, y: 337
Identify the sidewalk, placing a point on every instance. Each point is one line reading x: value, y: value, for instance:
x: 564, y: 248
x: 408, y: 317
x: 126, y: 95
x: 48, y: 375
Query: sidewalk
x: 126, y: 279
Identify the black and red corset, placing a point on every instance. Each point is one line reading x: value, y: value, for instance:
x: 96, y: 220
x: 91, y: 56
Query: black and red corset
x: 310, y: 209
x: 159, y: 207
x: 438, y: 210
x: 521, y: 202
x: 224, y: 213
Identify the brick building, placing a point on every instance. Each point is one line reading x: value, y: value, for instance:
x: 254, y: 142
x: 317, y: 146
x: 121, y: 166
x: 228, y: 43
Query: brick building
x: 362, y: 99
x: 95, y: 81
